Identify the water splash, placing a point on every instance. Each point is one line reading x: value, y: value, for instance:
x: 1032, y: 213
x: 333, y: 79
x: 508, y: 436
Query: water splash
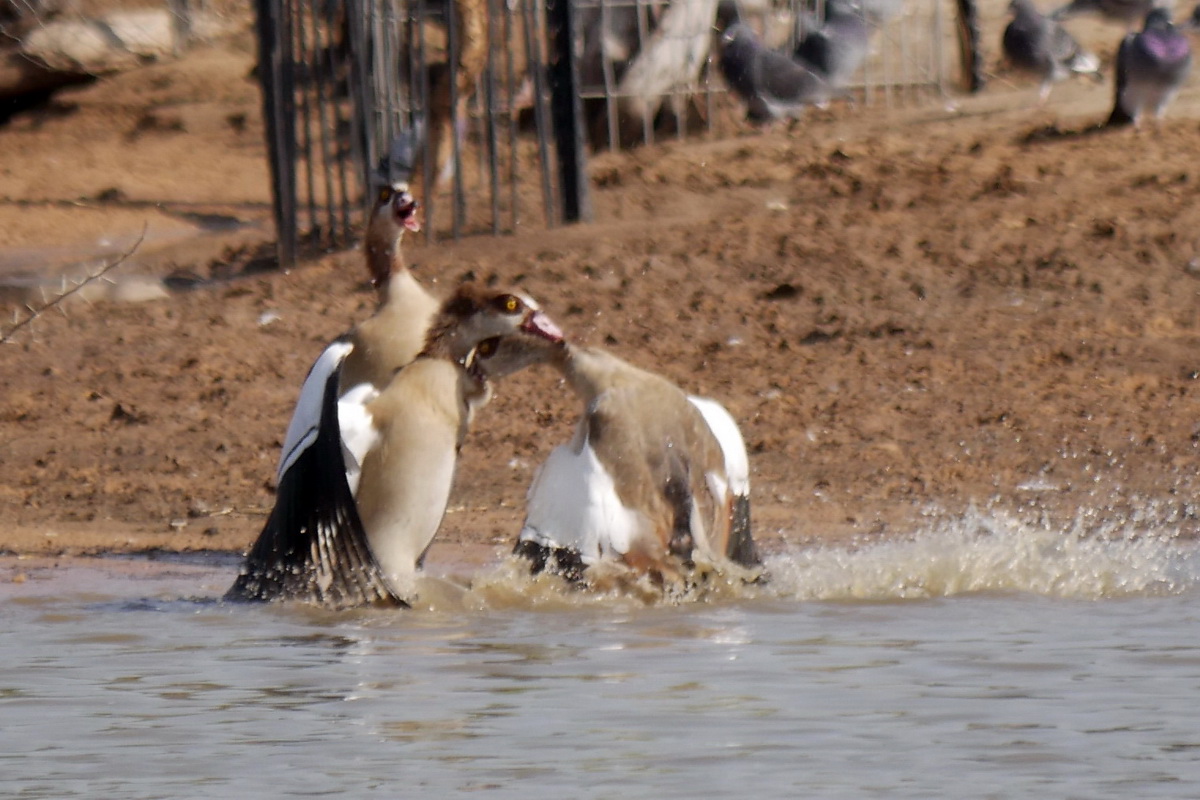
x: 993, y: 552
x: 509, y: 584
x: 982, y: 551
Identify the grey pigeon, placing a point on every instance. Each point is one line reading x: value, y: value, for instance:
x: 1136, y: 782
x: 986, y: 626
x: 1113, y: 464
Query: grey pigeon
x: 837, y: 47
x: 1039, y: 45
x: 772, y: 84
x: 1152, y: 65
x: 1127, y: 12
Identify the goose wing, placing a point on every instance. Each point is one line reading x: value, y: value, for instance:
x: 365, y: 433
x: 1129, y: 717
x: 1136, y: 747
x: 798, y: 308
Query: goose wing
x: 740, y: 547
x: 306, y: 417
x: 314, y: 547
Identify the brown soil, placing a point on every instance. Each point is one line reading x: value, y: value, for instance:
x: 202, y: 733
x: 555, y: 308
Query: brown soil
x: 911, y: 312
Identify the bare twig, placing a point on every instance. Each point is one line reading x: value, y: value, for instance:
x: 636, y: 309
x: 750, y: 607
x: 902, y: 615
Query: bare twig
x: 35, y: 312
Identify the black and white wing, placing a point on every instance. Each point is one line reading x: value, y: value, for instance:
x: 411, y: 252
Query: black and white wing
x: 306, y: 417
x: 314, y: 547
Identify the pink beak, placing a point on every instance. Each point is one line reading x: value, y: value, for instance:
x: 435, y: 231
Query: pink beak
x: 539, y: 324
x: 406, y: 210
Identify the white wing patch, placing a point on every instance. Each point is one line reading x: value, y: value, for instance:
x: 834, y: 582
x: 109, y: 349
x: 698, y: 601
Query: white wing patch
x: 359, y: 434
x: 306, y: 418
x: 573, y: 504
x: 725, y: 429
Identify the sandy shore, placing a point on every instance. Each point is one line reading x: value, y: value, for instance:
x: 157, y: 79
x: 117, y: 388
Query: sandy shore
x: 911, y: 313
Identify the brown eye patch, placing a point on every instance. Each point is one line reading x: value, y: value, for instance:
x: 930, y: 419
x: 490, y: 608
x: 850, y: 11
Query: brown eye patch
x: 385, y: 194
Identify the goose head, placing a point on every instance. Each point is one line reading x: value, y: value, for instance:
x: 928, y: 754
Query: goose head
x: 472, y: 316
x: 503, y: 355
x: 394, y: 210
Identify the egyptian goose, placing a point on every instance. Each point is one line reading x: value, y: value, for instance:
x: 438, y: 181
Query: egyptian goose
x: 370, y: 353
x: 653, y: 478
x: 355, y: 512
x: 395, y: 333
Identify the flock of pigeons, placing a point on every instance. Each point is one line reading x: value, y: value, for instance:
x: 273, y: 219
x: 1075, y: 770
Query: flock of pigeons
x: 654, y: 479
x: 1151, y: 65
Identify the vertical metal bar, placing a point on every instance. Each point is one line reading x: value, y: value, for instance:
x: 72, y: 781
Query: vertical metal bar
x: 709, y: 107
x: 414, y: 113
x: 389, y: 23
x: 510, y: 80
x: 458, y: 203
x: 533, y: 54
x: 357, y: 17
x: 276, y: 86
x: 428, y: 167
x: 799, y: 27
x: 868, y: 67
x: 680, y: 93
x: 643, y: 25
x: 305, y: 57
x: 489, y: 111
x: 318, y: 72
x: 476, y: 117
x: 288, y: 96
x: 971, y: 55
x: 340, y: 62
x: 935, y: 54
x: 567, y: 111
x: 611, y: 109
x: 886, y: 56
x: 906, y: 71
x: 387, y: 27
x: 181, y: 25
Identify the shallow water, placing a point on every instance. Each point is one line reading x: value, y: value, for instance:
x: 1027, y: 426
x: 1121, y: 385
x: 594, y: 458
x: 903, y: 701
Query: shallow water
x: 983, y: 659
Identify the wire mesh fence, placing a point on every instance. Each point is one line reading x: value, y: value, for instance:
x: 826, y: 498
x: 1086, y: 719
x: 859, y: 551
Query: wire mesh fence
x: 484, y: 81
x: 342, y: 77
x: 510, y: 94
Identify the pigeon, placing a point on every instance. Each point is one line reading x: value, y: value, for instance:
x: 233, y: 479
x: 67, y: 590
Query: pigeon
x: 1127, y: 12
x: 837, y: 47
x: 772, y: 84
x: 1152, y: 65
x: 1041, y: 46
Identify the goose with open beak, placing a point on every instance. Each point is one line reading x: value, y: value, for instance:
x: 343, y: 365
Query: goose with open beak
x: 653, y: 478
x: 358, y: 507
x: 366, y: 358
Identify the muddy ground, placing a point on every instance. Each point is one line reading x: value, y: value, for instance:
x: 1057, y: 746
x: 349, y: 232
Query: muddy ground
x: 913, y: 312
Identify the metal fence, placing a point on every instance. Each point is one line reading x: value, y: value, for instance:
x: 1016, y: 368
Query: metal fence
x: 510, y: 93
x: 341, y: 77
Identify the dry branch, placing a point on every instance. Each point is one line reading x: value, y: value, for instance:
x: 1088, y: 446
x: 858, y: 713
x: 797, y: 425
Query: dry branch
x: 91, y: 277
